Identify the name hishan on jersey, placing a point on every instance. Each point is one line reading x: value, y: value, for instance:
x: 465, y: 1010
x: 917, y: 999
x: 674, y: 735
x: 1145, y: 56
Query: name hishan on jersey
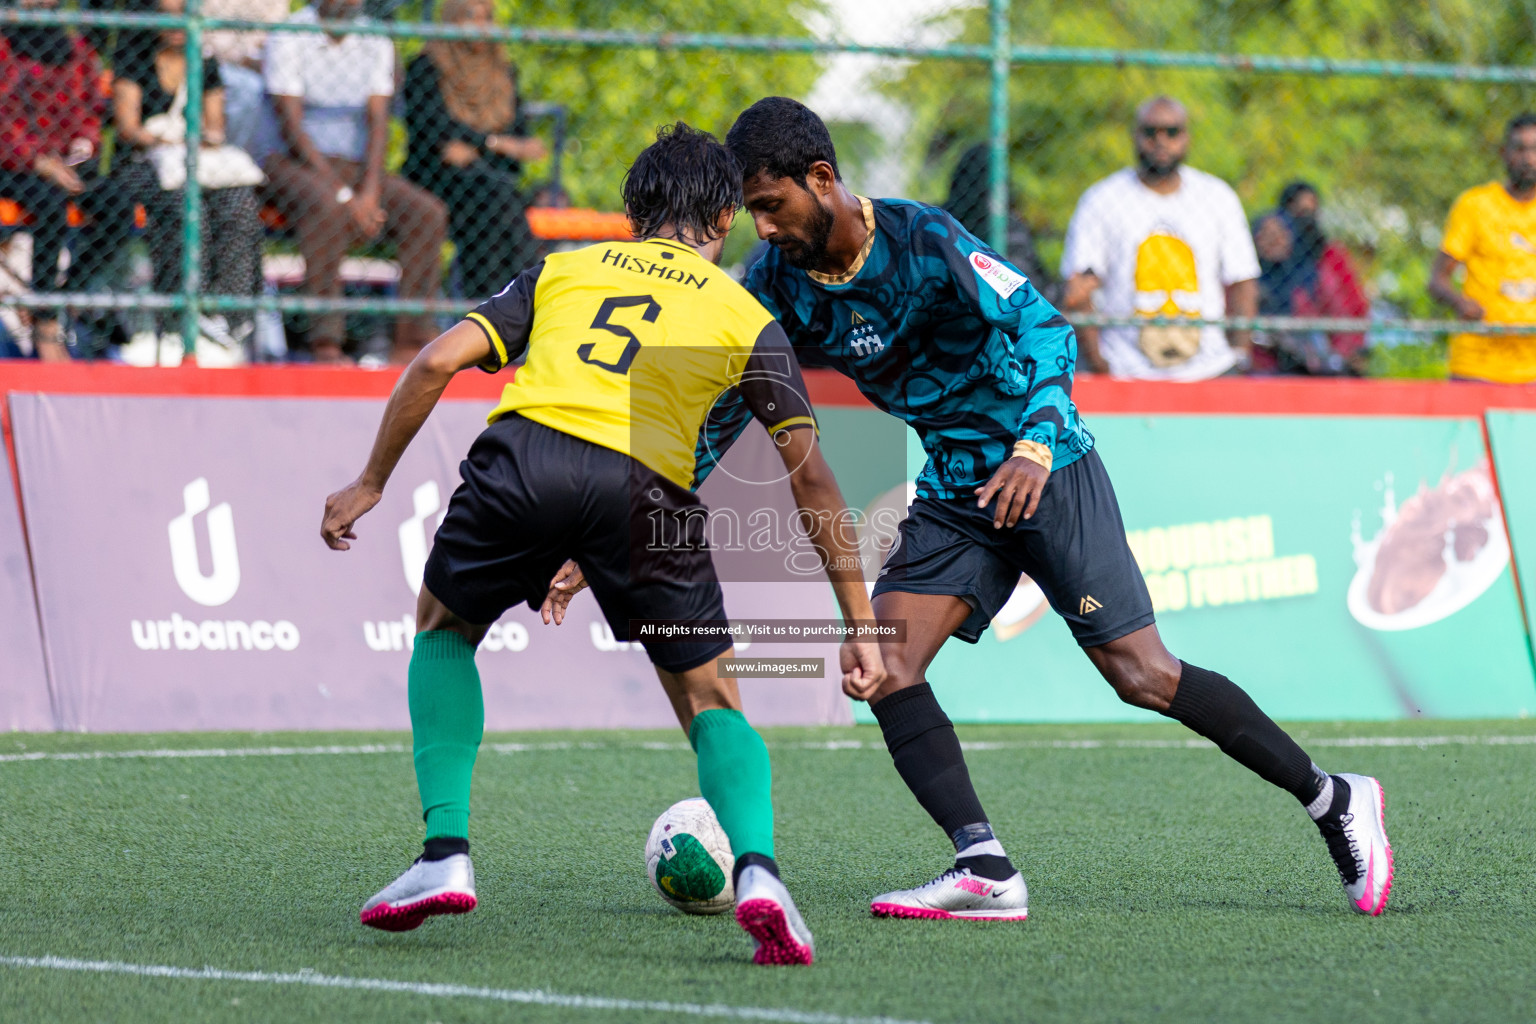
x: 630, y: 345
x: 936, y: 328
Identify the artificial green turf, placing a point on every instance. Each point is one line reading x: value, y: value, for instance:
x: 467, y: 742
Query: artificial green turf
x: 1165, y: 884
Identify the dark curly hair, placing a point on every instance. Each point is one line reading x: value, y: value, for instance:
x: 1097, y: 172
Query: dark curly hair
x: 683, y: 179
x: 782, y: 137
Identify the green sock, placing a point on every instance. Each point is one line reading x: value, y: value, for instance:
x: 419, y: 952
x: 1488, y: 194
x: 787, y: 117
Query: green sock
x: 447, y: 721
x: 735, y: 778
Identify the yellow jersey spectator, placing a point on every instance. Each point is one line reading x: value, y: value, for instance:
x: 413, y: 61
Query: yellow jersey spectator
x: 1492, y: 233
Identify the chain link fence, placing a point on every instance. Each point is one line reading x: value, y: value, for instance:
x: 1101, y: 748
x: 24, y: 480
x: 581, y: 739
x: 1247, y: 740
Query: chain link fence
x: 246, y: 181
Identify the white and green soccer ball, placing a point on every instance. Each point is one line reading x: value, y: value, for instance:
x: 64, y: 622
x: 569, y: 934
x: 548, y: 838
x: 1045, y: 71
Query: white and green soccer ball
x: 688, y: 858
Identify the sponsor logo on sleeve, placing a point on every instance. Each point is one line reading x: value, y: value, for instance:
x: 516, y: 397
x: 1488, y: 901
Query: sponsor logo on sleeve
x: 999, y: 276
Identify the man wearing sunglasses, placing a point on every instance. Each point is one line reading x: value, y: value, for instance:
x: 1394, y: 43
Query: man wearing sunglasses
x: 1161, y: 240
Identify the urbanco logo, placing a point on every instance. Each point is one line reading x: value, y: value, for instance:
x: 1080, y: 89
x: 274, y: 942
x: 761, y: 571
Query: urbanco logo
x: 415, y: 536
x: 604, y: 640
x: 414, y: 540
x: 220, y: 585
x: 215, y: 588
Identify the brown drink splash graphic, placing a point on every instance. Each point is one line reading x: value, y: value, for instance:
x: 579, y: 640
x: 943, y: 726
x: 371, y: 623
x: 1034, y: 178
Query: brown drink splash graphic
x: 1434, y: 554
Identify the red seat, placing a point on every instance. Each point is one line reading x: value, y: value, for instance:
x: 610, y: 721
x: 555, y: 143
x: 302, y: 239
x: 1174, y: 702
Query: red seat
x: 13, y: 215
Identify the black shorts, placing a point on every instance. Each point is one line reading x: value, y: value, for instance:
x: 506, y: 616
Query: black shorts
x: 533, y: 497
x: 1074, y: 548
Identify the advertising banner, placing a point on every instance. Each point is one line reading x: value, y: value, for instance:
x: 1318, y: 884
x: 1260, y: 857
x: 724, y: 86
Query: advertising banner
x: 24, y: 704
x: 1513, y: 437
x: 1335, y: 567
x: 183, y: 584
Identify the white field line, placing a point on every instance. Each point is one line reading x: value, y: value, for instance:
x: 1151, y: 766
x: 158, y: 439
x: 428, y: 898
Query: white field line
x: 535, y: 997
x: 111, y: 755
x: 981, y: 745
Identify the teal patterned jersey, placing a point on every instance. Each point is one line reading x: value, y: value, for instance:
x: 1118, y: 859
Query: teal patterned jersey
x: 937, y: 329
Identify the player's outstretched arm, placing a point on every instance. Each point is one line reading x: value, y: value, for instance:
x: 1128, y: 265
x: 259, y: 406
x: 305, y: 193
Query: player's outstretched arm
x: 832, y: 530
x: 414, y: 398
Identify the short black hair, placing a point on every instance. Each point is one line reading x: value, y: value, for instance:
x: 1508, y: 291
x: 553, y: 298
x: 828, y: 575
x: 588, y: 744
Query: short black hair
x: 1519, y: 121
x: 684, y: 178
x: 1296, y: 188
x: 782, y: 138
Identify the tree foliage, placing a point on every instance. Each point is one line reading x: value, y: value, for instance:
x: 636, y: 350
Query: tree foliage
x: 617, y: 97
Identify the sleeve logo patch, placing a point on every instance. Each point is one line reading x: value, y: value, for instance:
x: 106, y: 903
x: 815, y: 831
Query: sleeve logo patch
x: 1000, y: 277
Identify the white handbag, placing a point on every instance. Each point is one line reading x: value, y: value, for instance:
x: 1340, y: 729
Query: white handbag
x: 217, y: 166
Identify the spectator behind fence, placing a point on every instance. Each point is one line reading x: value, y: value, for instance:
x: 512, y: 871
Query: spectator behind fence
x: 332, y: 95
x: 1304, y: 273
x: 149, y: 96
x: 969, y: 203
x: 1160, y: 239
x: 51, y: 106
x: 248, y: 120
x: 467, y: 145
x: 1492, y: 232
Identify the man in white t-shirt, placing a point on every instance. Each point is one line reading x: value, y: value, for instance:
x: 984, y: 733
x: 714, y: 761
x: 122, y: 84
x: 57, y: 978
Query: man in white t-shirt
x: 331, y: 94
x: 1161, y: 239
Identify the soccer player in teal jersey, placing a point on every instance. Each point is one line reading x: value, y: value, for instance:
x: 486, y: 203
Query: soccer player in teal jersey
x: 941, y: 331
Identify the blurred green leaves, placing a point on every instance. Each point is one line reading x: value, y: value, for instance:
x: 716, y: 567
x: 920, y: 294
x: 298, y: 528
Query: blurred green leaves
x: 616, y: 98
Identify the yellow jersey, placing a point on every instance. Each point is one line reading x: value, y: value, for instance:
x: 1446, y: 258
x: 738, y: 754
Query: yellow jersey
x: 631, y: 345
x: 1494, y: 235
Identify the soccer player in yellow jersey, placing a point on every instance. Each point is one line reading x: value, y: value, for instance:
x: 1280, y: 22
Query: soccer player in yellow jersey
x: 605, y: 428
x: 1492, y: 232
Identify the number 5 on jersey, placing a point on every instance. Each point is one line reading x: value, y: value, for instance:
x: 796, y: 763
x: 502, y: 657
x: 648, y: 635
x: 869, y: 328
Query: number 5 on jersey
x: 601, y: 322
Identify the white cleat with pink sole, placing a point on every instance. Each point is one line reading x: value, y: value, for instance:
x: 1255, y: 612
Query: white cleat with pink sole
x: 1357, y: 840
x: 428, y: 888
x: 957, y: 894
x: 765, y: 911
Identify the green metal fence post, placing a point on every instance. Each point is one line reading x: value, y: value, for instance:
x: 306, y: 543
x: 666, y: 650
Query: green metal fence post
x: 997, y: 164
x: 192, y: 231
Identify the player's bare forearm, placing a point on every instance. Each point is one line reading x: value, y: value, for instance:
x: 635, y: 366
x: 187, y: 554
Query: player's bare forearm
x: 828, y: 524
x: 831, y: 529
x: 414, y: 398
x: 416, y: 395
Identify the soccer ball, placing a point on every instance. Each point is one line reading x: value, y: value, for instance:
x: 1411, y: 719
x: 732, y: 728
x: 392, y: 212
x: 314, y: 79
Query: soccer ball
x: 688, y: 858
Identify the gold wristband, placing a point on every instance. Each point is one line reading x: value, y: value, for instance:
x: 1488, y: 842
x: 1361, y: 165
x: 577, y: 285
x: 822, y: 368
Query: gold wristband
x: 1034, y: 451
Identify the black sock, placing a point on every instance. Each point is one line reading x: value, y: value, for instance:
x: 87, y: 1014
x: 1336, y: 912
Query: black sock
x: 978, y: 851
x: 927, y: 753
x: 1216, y: 708
x: 443, y: 847
x: 748, y: 859
x: 1339, y: 804
x: 1331, y: 825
